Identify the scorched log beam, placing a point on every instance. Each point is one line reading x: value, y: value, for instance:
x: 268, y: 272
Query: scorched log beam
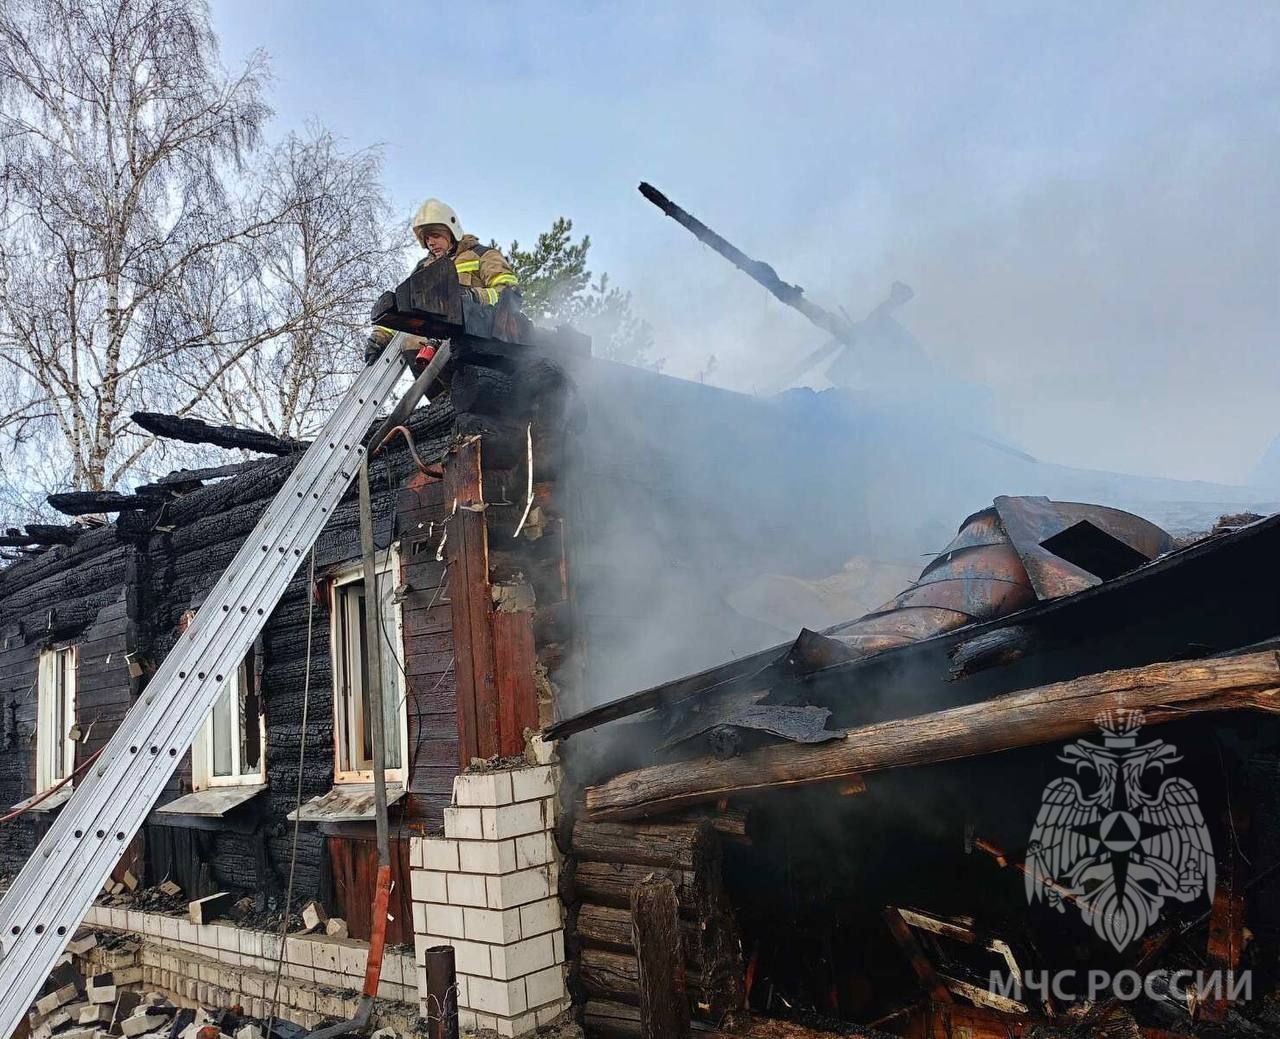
x: 194, y: 431
x: 664, y: 1005
x: 609, y: 928
x: 610, y: 883
x: 467, y: 549
x: 665, y: 845
x: 1048, y: 714
x: 84, y: 503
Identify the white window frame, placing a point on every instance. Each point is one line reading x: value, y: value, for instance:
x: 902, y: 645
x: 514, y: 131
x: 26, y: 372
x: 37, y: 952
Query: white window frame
x: 202, y: 751
x: 347, y: 713
x: 56, y: 697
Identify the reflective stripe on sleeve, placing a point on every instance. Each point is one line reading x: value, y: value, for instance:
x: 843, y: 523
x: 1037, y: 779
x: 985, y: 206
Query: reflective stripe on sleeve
x: 466, y: 266
x: 504, y: 279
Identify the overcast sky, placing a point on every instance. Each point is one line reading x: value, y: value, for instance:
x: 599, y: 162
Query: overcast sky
x: 1085, y: 197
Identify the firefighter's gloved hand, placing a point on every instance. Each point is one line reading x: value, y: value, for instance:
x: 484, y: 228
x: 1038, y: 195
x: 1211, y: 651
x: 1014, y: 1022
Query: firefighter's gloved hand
x: 374, y: 345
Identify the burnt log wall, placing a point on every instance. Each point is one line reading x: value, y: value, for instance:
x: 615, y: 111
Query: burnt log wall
x: 205, y: 530
x: 72, y: 594
x: 200, y: 534
x: 122, y: 594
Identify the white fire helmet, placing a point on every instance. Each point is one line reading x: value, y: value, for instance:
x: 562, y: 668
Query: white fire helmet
x: 433, y: 211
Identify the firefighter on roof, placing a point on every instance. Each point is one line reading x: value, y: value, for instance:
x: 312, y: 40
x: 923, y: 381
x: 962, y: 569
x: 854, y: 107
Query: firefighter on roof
x: 482, y: 270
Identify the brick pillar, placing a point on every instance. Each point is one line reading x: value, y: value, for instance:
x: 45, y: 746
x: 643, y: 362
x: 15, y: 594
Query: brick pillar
x: 489, y: 889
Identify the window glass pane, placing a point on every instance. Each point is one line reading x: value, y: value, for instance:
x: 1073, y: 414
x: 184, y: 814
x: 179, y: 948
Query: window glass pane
x: 353, y: 659
x: 222, y: 732
x: 251, y: 709
x: 389, y: 669
x: 358, y: 638
x: 345, y: 687
x: 61, y: 720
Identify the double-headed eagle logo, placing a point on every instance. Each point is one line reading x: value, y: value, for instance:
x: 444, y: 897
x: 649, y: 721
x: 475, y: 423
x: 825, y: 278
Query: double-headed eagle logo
x: 1118, y: 852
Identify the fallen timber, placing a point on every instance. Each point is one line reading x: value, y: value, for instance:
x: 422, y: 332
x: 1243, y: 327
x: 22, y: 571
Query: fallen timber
x: 196, y: 431
x: 603, y: 871
x: 1053, y: 713
x: 87, y: 503
x: 759, y: 271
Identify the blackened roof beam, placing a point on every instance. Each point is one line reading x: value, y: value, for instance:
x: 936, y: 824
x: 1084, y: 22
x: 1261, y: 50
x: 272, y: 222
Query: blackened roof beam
x: 39, y: 534
x: 84, y: 503
x: 196, y: 431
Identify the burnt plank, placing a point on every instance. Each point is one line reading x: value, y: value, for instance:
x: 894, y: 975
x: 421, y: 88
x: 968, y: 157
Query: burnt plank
x: 514, y: 662
x: 664, y: 1006
x: 428, y: 620
x: 469, y: 590
x: 420, y: 665
x: 434, y: 695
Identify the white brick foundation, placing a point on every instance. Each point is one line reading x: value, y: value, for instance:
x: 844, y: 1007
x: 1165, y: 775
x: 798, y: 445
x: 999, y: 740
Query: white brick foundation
x: 489, y: 888
x: 219, y: 965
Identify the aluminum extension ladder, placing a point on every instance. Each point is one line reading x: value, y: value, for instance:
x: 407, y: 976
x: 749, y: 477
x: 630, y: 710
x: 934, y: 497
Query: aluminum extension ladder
x: 52, y: 894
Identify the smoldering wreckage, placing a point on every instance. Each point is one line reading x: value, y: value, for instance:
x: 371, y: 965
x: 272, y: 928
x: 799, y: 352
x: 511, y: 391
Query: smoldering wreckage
x: 1033, y: 793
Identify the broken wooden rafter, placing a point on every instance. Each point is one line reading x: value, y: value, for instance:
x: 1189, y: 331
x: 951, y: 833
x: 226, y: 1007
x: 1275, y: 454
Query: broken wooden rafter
x: 195, y: 431
x: 1048, y: 714
x: 82, y: 503
x: 180, y: 478
x: 39, y: 534
x: 51, y: 534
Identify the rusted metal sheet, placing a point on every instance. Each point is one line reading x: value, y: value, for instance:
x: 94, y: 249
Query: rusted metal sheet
x: 977, y: 597
x: 890, y: 629
x: 1030, y: 522
x: 976, y: 577
x: 977, y: 562
x: 987, y: 572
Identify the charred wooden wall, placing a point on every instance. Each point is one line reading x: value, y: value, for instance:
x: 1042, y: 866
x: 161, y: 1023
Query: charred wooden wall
x: 189, y: 550
x: 604, y: 862
x: 122, y: 593
x: 79, y: 593
x: 508, y: 553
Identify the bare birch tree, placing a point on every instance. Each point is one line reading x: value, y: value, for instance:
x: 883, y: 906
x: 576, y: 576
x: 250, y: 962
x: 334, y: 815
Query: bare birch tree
x: 331, y: 250
x: 143, y: 263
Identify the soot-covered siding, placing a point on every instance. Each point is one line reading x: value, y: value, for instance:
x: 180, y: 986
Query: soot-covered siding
x: 192, y: 545
x: 76, y: 594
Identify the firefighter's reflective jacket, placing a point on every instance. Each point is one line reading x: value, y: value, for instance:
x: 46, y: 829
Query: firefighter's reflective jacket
x: 481, y: 268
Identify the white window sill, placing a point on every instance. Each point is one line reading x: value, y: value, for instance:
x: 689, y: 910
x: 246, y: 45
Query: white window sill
x: 50, y: 804
x: 213, y: 803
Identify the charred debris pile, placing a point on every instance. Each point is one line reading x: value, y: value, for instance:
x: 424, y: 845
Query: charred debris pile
x: 1044, y: 772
